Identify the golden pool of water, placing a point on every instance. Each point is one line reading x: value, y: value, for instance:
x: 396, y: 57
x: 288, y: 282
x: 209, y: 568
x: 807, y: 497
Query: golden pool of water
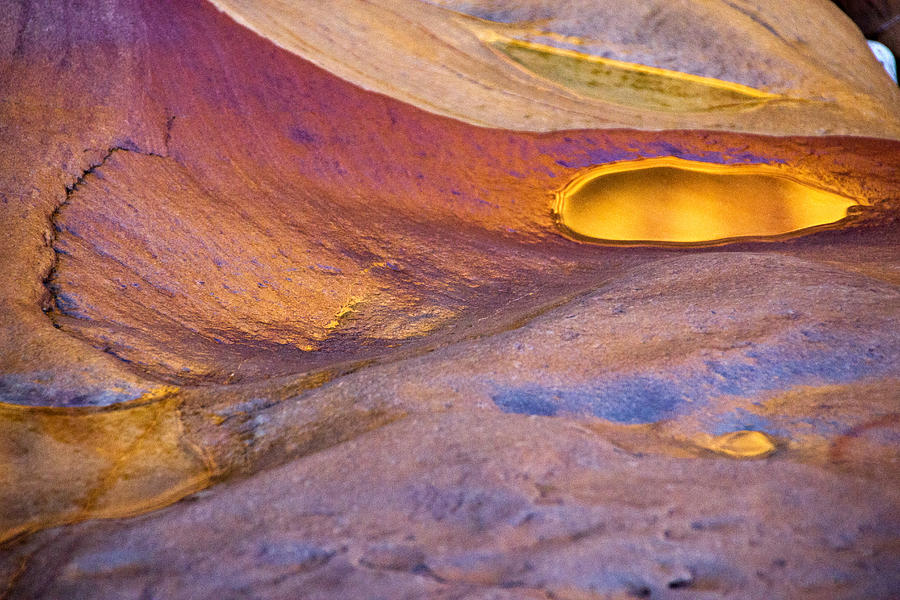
x: 624, y: 83
x: 743, y: 444
x: 674, y: 201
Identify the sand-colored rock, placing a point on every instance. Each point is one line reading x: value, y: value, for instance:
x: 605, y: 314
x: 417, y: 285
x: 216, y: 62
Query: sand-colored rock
x: 810, y: 59
x: 570, y: 457
x: 359, y: 318
x: 62, y: 465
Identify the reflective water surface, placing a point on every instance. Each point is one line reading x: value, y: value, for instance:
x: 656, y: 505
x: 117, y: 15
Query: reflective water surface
x: 673, y: 201
x: 625, y: 83
x: 743, y: 444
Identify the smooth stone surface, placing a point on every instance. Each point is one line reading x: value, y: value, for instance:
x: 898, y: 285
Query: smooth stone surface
x: 445, y: 494
x: 492, y: 506
x: 402, y: 379
x: 437, y: 55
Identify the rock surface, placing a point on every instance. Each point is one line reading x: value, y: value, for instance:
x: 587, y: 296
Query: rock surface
x: 358, y: 319
x: 818, y: 69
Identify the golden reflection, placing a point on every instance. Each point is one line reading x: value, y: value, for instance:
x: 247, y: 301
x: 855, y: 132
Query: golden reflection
x: 624, y: 83
x: 673, y: 201
x: 743, y: 444
x: 59, y: 465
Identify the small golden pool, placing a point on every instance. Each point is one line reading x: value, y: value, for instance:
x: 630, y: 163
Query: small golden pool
x: 628, y: 84
x: 674, y: 201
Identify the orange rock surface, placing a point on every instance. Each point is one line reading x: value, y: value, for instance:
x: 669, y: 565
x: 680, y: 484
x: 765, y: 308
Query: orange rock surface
x: 310, y: 253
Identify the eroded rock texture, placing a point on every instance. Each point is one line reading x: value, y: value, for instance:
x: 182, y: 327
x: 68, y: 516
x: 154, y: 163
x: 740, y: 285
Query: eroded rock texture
x: 297, y: 265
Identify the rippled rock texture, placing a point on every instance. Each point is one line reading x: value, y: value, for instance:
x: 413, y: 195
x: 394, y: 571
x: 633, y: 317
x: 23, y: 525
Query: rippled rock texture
x: 299, y: 266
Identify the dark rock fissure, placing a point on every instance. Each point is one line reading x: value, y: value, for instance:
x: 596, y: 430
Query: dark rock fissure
x: 50, y: 301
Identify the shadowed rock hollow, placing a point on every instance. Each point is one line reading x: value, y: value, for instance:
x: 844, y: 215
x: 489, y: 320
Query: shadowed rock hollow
x: 314, y: 254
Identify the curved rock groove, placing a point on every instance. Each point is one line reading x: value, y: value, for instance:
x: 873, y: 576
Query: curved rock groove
x: 270, y: 243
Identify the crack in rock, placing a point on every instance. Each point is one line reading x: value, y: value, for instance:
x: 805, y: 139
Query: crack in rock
x: 50, y: 303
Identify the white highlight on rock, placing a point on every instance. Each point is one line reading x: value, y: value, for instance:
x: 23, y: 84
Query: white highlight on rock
x: 885, y: 57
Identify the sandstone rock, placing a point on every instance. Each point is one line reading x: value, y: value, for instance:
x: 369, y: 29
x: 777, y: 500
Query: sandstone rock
x: 329, y: 291
x: 433, y: 54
